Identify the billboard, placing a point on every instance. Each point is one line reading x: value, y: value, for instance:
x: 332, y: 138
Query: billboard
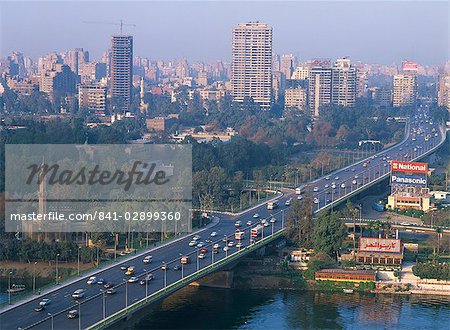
x: 373, y: 244
x: 410, y: 180
x: 409, y: 66
x: 409, y: 167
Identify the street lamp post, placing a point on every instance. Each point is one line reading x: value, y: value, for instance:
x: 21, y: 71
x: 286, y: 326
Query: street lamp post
x: 146, y: 285
x: 165, y: 275
x: 198, y: 261
x: 56, y: 276
x: 226, y: 244
x: 78, y: 260
x: 104, y: 305
x: 51, y: 318
x: 34, y: 277
x: 9, y: 288
x: 79, y: 315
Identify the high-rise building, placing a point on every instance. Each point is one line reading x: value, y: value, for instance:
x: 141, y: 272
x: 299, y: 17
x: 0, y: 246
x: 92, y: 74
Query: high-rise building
x: 343, y: 90
x: 300, y: 73
x: 58, y: 81
x: 319, y: 85
x: 92, y: 97
x: 405, y: 89
x: 444, y: 91
x: 75, y: 58
x: 251, y: 74
x: 121, y: 71
x: 295, y: 98
x: 380, y: 97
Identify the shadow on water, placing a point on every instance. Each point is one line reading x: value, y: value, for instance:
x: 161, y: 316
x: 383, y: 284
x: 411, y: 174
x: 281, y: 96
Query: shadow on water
x: 207, y: 308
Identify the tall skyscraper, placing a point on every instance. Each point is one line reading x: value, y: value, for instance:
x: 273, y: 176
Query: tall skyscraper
x: 405, y: 89
x: 121, y: 72
x: 251, y: 74
x: 75, y: 58
x: 444, y: 91
x: 319, y: 85
x: 343, y: 90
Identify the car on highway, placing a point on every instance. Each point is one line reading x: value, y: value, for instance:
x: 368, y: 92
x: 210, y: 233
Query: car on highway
x: 354, y: 182
x: 39, y: 308
x: 343, y: 185
x: 147, y: 259
x: 237, y: 223
x: 230, y: 244
x: 213, y: 234
x: 196, y: 237
x: 336, y: 177
x: 201, y: 256
x: 333, y: 185
x: 111, y: 291
x: 200, y: 245
x: 124, y: 267
x: 45, y: 302
x: 327, y: 178
x: 256, y: 215
x: 101, y: 281
x: 78, y: 294
x: 147, y: 279
x: 239, y: 245
x: 273, y: 220
x: 164, y: 267
x: 92, y: 280
x: 225, y: 248
x: 133, y: 279
x: 108, y: 285
x: 300, y: 197
x: 176, y: 267
x: 316, y: 201
x: 130, y: 271
x: 192, y: 243
x: 72, y: 314
x: 288, y: 202
x: 204, y: 250
x: 327, y: 185
x: 316, y: 189
x: 249, y: 223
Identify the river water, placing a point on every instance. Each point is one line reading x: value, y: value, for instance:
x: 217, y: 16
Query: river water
x: 207, y: 308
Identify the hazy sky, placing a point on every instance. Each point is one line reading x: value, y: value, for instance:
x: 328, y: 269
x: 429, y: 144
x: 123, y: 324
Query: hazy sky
x: 373, y: 32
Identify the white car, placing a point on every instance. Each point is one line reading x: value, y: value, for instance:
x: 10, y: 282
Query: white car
x: 336, y: 178
x: 256, y: 215
x: 316, y: 189
x: 213, y: 234
x: 133, y: 279
x: 237, y: 223
x: 343, y: 185
x: 78, y: 294
x: 201, y: 256
x: 300, y: 197
x: 45, y: 302
x: 196, y: 238
x: 225, y: 248
x: 192, y: 243
x: 216, y: 246
x: 230, y: 244
x: 92, y: 280
x: 147, y: 260
x: 273, y: 220
x: 200, y: 245
x: 354, y: 182
x: 249, y: 223
x: 316, y: 201
x: 327, y: 178
x: 327, y: 185
x: 239, y: 245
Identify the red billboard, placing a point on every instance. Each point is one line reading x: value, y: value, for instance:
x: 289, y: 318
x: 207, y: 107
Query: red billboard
x: 373, y: 244
x: 409, y: 167
x: 409, y: 66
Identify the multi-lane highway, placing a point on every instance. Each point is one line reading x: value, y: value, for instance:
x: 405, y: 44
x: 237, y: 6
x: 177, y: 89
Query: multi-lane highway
x: 423, y: 136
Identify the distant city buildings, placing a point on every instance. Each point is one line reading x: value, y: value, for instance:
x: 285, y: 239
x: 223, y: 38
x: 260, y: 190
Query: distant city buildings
x: 405, y: 89
x: 319, y: 85
x: 121, y: 72
x: 444, y: 91
x: 92, y: 97
x: 251, y: 67
x: 295, y: 98
x: 343, y: 87
x: 58, y: 81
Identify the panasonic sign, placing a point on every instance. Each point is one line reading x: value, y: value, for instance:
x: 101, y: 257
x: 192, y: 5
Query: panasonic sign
x: 409, y: 180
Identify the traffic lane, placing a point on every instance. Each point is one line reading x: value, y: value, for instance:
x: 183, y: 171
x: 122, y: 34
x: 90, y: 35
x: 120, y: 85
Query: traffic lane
x: 116, y: 276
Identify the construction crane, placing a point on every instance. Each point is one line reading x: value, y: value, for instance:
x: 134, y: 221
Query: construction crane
x: 121, y: 24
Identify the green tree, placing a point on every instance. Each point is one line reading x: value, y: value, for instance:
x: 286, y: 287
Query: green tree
x: 329, y: 233
x: 300, y: 225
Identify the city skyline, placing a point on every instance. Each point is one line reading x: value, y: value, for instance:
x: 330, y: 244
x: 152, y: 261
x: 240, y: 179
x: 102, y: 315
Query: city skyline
x: 365, y: 39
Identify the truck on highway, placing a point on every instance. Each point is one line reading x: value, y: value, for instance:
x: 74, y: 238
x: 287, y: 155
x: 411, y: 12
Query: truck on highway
x: 299, y: 190
x: 185, y: 260
x: 239, y: 234
x: 272, y: 205
x: 257, y: 231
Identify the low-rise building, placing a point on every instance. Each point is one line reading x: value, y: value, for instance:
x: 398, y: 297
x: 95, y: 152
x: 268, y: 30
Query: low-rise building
x: 92, y: 97
x: 346, y: 275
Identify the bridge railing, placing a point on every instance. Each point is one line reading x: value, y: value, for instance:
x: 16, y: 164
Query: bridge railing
x: 182, y: 282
